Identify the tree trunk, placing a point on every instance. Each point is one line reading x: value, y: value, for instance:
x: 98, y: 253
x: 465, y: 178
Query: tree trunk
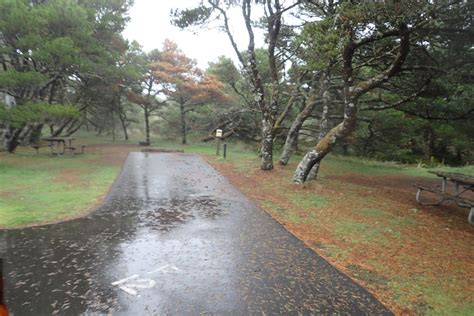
x: 12, y: 137
x: 35, y: 133
x: 124, y: 128
x: 326, y: 144
x: 351, y: 95
x: 122, y: 116
x: 147, y: 126
x: 113, y: 125
x: 292, y: 137
x: 323, y: 130
x: 74, y: 127
x: 315, y: 156
x: 183, y: 124
x: 60, y: 130
x: 267, y: 145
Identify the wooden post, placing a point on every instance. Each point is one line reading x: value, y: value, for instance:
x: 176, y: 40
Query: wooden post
x: 218, y: 137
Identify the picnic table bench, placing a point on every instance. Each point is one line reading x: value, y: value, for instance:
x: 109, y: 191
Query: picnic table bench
x: 463, y: 185
x: 64, y: 143
x: 37, y: 146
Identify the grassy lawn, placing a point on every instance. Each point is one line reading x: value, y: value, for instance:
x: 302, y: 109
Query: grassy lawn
x: 38, y: 189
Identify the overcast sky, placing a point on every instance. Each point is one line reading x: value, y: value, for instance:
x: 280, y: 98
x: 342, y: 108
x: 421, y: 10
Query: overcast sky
x: 150, y: 26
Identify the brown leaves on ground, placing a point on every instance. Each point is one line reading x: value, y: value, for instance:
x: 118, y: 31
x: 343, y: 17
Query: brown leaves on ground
x: 413, y: 258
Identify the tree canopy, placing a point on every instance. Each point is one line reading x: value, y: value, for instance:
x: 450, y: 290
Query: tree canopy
x: 385, y: 79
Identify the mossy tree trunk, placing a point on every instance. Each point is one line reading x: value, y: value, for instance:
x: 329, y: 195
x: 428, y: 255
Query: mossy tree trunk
x: 323, y: 130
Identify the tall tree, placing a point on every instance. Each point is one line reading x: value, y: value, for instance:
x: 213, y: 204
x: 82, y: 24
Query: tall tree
x: 265, y: 100
x: 51, y: 49
x: 185, y: 84
x: 146, y: 93
x: 375, y: 44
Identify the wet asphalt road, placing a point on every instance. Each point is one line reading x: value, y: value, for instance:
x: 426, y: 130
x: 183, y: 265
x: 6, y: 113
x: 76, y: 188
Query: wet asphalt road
x: 189, y: 243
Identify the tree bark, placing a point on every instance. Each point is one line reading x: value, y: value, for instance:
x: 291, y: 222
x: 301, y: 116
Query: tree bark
x: 13, y: 137
x: 124, y: 128
x: 10, y: 138
x: 35, y: 133
x: 183, y: 124
x: 75, y: 126
x: 267, y: 109
x: 323, y: 147
x: 60, y: 130
x: 292, y: 136
x: 267, y: 145
x: 147, y: 125
x: 323, y: 130
x: 122, y: 116
x: 113, y: 125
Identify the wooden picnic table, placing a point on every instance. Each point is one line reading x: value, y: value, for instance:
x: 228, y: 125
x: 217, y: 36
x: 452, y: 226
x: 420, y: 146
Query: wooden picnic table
x: 463, y: 186
x: 56, y: 142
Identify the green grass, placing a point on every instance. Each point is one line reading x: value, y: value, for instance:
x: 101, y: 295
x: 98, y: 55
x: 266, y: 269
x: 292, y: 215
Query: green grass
x: 287, y: 214
x: 381, y: 215
x: 373, y: 213
x: 335, y: 252
x: 308, y: 200
x: 433, y: 298
x: 343, y: 164
x: 34, y: 191
x: 359, y: 232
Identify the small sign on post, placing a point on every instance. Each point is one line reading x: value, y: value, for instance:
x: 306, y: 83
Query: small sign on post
x: 218, y: 137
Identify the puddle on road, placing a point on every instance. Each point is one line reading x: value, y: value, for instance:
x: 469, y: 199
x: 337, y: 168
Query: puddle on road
x: 68, y: 267
x: 167, y: 214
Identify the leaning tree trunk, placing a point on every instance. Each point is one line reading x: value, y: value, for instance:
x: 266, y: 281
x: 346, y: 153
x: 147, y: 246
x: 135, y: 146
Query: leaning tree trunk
x: 183, y: 125
x: 351, y: 95
x: 315, y: 156
x: 74, y: 128
x: 292, y: 136
x: 58, y: 132
x: 325, y: 145
x: 323, y: 130
x: 13, y: 137
x: 10, y: 138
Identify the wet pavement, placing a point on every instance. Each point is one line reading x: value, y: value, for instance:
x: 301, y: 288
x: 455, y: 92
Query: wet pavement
x: 173, y: 237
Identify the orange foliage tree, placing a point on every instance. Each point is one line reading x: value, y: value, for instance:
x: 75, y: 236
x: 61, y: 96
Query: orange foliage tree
x: 145, y: 93
x: 185, y: 84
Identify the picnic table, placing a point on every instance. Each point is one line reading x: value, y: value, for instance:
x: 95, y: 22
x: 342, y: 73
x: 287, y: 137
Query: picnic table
x: 61, y: 144
x: 463, y: 187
